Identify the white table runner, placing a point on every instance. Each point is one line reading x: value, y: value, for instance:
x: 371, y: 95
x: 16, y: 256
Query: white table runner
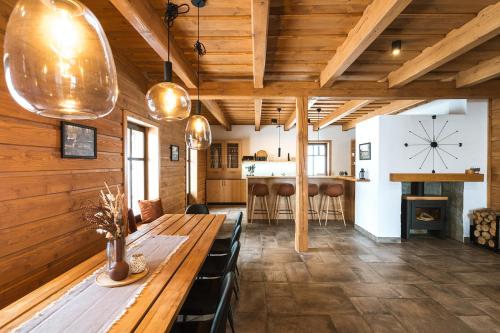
x: 88, y: 307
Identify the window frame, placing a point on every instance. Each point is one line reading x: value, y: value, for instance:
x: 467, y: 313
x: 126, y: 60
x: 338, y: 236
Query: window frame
x: 328, y: 157
x: 136, y: 127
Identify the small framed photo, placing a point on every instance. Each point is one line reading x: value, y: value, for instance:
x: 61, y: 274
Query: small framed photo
x: 365, y: 151
x: 174, y: 152
x: 78, y: 141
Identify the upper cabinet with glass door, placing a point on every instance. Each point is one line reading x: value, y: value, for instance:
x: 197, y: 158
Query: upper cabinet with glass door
x: 224, y: 160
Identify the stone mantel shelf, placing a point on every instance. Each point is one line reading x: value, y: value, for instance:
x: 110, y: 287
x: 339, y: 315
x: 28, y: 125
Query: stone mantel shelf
x: 436, y: 177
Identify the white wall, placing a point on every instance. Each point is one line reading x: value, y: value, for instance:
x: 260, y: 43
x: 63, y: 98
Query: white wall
x: 388, y: 135
x: 267, y: 139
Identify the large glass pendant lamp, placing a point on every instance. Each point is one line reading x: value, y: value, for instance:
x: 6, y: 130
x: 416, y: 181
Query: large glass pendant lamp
x: 198, y: 133
x: 168, y: 101
x: 57, y: 60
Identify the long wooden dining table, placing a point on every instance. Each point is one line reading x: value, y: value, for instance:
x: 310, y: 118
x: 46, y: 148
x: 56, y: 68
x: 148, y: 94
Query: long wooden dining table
x: 160, y: 301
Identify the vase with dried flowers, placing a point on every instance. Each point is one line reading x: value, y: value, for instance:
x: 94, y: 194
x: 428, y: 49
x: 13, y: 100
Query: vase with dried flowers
x: 106, y: 218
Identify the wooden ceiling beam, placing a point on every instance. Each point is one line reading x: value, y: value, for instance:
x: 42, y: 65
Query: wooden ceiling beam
x: 291, y: 121
x: 391, y: 108
x: 345, y: 90
x: 376, y: 18
x: 214, y: 108
x: 260, y: 22
x: 150, y: 26
x: 344, y: 110
x: 258, y: 113
x: 482, y: 72
x: 483, y: 27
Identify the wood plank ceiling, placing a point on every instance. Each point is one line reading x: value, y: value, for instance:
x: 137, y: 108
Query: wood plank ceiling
x: 303, y: 36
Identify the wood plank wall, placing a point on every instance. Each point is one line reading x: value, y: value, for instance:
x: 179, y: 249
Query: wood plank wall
x: 494, y: 155
x: 41, y: 232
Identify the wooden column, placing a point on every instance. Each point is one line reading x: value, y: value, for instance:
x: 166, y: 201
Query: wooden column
x: 301, y: 206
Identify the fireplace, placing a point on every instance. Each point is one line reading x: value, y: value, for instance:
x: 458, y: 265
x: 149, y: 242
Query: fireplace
x: 421, y: 212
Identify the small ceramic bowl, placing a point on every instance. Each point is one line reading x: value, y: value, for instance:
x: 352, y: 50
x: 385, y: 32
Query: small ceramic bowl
x: 137, y: 263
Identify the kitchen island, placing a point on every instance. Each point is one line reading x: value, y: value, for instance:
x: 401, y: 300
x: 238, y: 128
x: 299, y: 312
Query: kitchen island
x: 348, y: 199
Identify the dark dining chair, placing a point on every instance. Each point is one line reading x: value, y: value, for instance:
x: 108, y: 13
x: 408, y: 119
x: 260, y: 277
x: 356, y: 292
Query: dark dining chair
x: 197, y: 209
x: 223, y: 245
x: 133, y: 221
x: 222, y: 312
x: 204, y: 295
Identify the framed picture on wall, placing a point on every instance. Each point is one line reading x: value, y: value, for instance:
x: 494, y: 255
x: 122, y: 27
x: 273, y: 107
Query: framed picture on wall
x: 174, y: 152
x: 365, y: 151
x: 78, y: 141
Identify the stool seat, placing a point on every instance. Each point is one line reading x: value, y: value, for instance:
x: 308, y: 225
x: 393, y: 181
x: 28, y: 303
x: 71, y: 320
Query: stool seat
x: 331, y: 194
x: 312, y: 190
x: 334, y: 190
x: 260, y: 190
x: 286, y: 190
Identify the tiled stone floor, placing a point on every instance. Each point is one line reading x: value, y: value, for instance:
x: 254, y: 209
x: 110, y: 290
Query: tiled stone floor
x: 348, y: 283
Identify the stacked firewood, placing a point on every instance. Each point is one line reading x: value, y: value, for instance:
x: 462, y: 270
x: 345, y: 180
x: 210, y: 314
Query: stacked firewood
x: 485, y: 227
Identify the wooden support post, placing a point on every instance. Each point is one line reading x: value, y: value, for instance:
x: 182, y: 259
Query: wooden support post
x: 301, y: 208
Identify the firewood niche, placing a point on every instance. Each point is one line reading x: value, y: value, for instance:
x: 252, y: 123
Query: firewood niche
x: 484, y: 228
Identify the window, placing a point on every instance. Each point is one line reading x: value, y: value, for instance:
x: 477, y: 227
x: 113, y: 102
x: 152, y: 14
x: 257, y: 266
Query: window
x: 137, y: 165
x: 317, y: 159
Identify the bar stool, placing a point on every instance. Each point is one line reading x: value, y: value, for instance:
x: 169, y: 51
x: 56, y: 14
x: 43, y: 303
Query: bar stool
x: 312, y: 191
x: 332, y: 193
x: 260, y: 191
x: 285, y: 190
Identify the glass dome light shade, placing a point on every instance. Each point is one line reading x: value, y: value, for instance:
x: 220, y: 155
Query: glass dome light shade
x: 57, y: 60
x: 198, y: 133
x: 168, y: 101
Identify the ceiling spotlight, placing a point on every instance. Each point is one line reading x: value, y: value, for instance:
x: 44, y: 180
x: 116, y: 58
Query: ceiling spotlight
x: 396, y: 47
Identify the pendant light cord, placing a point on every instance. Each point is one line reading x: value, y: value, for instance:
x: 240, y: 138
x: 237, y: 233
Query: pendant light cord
x: 198, y: 109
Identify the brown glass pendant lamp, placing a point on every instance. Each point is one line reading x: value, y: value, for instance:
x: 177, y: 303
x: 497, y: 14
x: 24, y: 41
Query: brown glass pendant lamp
x: 168, y: 101
x: 198, y: 134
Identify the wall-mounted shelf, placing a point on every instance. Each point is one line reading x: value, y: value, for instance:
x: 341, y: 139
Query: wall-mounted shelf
x: 436, y: 177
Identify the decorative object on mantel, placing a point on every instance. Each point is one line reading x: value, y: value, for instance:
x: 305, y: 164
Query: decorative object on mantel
x: 365, y: 151
x: 106, y: 218
x: 78, y: 141
x: 484, y: 229
x: 168, y: 101
x: 57, y: 60
x: 434, y: 143
x: 472, y: 171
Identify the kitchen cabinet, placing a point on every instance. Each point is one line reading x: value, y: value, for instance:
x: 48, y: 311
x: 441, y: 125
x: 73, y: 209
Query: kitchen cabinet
x: 226, y: 190
x: 224, y: 160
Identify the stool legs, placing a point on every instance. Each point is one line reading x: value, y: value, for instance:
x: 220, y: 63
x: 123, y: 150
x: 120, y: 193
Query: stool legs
x: 263, y: 203
x: 313, y: 209
x: 288, y: 210
x: 341, y: 211
x: 337, y: 209
x: 267, y: 210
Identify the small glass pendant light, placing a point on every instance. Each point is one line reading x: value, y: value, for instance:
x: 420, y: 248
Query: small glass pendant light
x: 198, y: 133
x: 57, y: 60
x: 168, y: 101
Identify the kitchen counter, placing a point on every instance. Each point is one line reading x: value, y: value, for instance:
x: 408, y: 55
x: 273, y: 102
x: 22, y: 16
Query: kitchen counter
x: 273, y: 182
x: 346, y: 178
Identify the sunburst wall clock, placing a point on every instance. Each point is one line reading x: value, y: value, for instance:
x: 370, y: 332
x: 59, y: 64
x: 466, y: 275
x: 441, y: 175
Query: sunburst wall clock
x: 433, y: 147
